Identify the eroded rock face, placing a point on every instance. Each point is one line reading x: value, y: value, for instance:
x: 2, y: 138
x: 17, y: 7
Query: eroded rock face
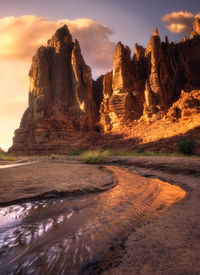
x: 173, y: 67
x: 187, y: 105
x: 122, y: 90
x: 147, y: 85
x: 61, y: 99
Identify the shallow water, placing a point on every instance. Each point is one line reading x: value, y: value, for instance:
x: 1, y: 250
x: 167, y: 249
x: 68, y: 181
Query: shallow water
x: 2, y: 166
x: 71, y: 235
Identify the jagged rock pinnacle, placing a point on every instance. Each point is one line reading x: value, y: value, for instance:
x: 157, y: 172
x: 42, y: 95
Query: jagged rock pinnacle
x: 155, y: 32
x: 62, y: 32
x: 62, y: 35
x: 196, y: 27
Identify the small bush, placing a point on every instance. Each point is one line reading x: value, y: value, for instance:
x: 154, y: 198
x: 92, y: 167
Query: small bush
x: 75, y: 153
x: 95, y: 156
x: 53, y: 156
x: 6, y: 157
x: 140, y: 149
x: 186, y: 146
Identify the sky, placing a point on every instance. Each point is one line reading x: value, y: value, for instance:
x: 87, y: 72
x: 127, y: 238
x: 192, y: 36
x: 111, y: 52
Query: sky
x: 25, y: 25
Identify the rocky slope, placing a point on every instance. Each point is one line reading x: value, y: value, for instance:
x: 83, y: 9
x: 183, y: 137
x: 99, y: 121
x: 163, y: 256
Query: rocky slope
x: 153, y: 95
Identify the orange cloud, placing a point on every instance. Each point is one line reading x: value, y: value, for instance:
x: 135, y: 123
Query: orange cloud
x: 21, y: 36
x: 179, y: 22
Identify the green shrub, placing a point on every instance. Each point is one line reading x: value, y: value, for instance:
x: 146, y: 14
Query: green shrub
x: 95, y: 156
x: 53, y: 156
x: 75, y: 153
x: 186, y: 146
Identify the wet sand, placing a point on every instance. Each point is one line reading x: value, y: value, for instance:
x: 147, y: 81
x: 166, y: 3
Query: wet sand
x: 170, y: 242
x: 47, y: 178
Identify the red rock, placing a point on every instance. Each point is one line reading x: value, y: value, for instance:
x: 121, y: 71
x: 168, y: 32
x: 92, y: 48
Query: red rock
x: 152, y: 81
x: 61, y: 101
x: 196, y: 27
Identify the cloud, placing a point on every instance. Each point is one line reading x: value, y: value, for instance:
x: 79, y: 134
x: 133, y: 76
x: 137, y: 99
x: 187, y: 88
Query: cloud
x: 21, y: 36
x: 180, y: 22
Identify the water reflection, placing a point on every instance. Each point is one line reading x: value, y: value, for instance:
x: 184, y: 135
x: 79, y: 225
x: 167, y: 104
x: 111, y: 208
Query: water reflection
x: 70, y: 236
x: 15, y: 164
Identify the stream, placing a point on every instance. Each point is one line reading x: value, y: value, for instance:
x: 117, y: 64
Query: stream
x: 72, y: 235
x: 3, y: 166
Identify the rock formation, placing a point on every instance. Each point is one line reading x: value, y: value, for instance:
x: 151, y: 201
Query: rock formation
x: 187, y: 105
x: 61, y: 99
x: 159, y: 82
x: 147, y: 85
x: 196, y: 28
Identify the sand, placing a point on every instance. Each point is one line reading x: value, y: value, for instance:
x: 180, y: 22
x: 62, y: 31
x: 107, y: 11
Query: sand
x: 51, y: 178
x: 170, y: 242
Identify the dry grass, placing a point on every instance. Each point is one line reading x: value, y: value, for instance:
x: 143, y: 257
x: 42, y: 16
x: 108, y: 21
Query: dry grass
x: 95, y: 156
x: 6, y: 157
x: 54, y: 156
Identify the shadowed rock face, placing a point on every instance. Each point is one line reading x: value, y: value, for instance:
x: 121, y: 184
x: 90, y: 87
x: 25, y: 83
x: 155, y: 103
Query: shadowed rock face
x: 60, y: 98
x: 157, y: 82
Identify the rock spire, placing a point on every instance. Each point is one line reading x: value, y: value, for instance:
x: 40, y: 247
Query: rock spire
x: 61, y: 99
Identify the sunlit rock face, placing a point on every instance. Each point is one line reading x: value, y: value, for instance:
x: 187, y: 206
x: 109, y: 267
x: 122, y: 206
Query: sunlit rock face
x: 187, y: 105
x: 60, y: 98
x: 147, y: 85
x: 123, y: 89
x: 196, y: 27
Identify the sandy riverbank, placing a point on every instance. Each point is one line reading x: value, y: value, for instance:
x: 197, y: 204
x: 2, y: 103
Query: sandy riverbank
x: 171, y: 165
x: 169, y: 243
x: 47, y: 178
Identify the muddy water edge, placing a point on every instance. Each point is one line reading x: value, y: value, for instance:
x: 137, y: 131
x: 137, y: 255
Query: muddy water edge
x: 79, y: 235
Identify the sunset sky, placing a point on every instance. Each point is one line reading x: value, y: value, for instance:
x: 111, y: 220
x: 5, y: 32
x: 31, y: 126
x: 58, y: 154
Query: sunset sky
x: 25, y: 25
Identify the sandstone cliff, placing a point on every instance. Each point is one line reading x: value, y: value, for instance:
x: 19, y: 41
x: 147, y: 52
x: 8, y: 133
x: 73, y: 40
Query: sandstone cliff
x: 140, y: 98
x: 61, y: 102
x: 146, y: 86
